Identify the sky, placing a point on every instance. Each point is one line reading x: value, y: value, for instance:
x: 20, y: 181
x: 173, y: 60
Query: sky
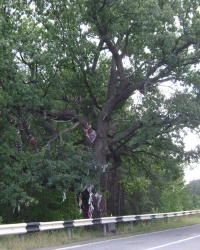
x: 192, y: 172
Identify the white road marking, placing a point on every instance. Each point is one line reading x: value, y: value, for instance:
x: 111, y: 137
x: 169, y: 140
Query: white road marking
x: 69, y: 247
x: 172, y: 243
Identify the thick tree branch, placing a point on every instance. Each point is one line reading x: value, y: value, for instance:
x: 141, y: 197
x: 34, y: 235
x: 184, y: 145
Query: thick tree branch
x: 126, y: 135
x: 183, y: 47
x: 126, y: 41
x: 63, y: 115
x: 118, y: 61
x: 96, y: 57
x: 49, y: 128
x: 67, y: 129
x: 168, y: 123
x: 148, y: 153
x: 90, y: 92
x: 112, y: 80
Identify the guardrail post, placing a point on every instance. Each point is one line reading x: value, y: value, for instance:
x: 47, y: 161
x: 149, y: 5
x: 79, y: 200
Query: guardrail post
x: 104, y: 229
x: 131, y: 225
x: 69, y: 233
x: 166, y: 220
x: 21, y: 236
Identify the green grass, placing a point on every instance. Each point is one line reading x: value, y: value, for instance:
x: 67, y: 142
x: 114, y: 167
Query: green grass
x: 60, y: 237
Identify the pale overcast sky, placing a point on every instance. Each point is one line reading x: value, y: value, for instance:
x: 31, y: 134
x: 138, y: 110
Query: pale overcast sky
x: 192, y: 172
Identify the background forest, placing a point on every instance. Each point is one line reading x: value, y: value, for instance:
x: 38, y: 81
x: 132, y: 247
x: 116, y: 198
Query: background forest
x: 88, y: 127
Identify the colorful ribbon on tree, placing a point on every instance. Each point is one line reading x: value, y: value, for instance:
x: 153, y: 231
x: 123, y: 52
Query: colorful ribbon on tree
x: 90, y: 133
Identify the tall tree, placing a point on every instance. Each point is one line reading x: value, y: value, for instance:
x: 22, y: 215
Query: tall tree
x: 85, y: 76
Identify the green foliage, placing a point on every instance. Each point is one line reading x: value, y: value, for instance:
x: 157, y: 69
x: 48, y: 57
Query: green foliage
x: 68, y: 63
x: 51, y: 207
x: 193, y: 189
x: 171, y: 200
x: 156, y: 188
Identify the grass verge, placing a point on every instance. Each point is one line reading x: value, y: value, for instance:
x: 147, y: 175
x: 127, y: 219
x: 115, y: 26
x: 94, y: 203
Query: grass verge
x: 60, y: 237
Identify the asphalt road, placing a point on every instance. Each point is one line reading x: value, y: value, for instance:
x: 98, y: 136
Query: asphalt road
x: 180, y: 239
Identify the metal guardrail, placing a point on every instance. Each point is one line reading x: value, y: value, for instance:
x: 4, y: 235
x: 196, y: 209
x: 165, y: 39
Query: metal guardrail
x: 23, y: 228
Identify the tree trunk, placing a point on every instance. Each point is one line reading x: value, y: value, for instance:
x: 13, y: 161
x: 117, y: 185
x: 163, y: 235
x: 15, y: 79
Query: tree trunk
x: 115, y: 202
x: 101, y: 151
x: 7, y: 213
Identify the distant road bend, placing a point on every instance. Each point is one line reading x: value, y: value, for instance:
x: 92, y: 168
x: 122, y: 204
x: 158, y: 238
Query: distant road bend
x: 180, y: 239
